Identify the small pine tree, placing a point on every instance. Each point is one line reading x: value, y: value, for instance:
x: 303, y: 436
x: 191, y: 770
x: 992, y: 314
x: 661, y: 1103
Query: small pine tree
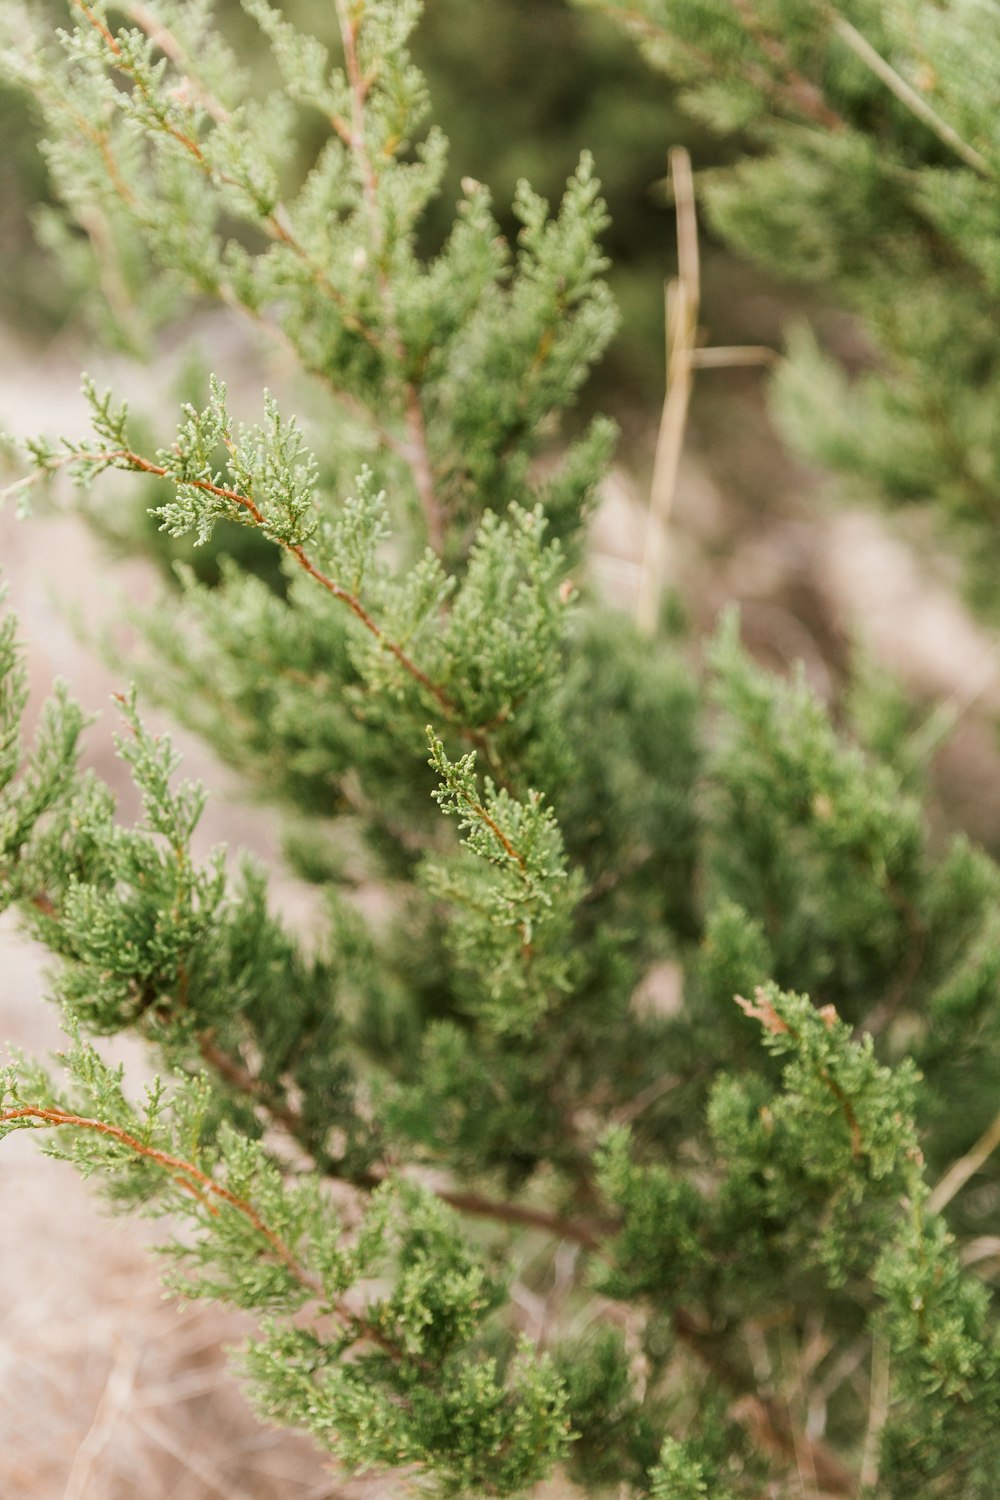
x: 554, y: 809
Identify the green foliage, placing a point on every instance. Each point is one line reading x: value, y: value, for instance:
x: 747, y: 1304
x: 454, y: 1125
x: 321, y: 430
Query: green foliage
x: 519, y: 1005
x: 872, y: 175
x: 677, y: 1476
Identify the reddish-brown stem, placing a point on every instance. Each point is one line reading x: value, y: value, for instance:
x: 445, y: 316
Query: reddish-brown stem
x: 802, y: 96
x: 98, y: 25
x: 477, y: 1205
x: 276, y: 225
x: 579, y: 1231
x: 498, y: 833
x: 138, y: 462
x: 187, y: 1176
x: 171, y: 48
x: 204, y: 1188
x: 238, y: 1077
x: 857, y: 1144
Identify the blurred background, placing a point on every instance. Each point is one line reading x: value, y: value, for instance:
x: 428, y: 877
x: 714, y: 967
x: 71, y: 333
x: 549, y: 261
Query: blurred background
x: 129, y: 1394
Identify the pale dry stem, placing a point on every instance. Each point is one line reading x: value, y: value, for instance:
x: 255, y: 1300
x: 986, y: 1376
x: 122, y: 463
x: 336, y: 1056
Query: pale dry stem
x: 683, y: 298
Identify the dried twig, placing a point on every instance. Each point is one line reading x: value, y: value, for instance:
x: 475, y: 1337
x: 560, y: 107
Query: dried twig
x: 967, y: 1166
x: 878, y: 1411
x: 683, y: 296
x: 915, y: 103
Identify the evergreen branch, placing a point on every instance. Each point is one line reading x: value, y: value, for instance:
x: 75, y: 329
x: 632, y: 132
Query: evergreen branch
x: 476, y: 1205
x: 275, y: 222
x: 189, y: 1178
x: 204, y: 1189
x: 762, y: 1009
x: 235, y: 1073
x: 171, y: 48
x: 129, y: 460
x: 802, y: 94
x: 416, y: 450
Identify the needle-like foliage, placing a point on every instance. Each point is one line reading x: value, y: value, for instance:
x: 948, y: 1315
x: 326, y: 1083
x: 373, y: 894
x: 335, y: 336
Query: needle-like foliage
x: 618, y: 1123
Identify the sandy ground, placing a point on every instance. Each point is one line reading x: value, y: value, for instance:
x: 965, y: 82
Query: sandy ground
x: 109, y: 1391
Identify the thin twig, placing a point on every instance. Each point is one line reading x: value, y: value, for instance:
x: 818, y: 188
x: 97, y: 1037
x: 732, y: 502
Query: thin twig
x: 204, y: 1189
x: 726, y: 358
x: 683, y: 296
x: 765, y: 1417
x: 276, y: 224
x: 171, y: 48
x: 967, y: 1166
x: 186, y: 1175
x: 126, y: 457
x: 915, y: 103
x: 805, y: 1465
x: 878, y: 1411
x: 580, y: 1232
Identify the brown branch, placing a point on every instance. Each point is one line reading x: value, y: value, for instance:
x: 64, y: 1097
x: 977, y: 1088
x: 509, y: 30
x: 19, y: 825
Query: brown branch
x: 857, y: 1144
x: 581, y: 1232
x: 110, y: 41
x: 187, y: 1176
x: 476, y: 1205
x: 204, y: 1188
x: 498, y: 833
x: 240, y: 1078
x: 800, y: 93
x: 137, y: 462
